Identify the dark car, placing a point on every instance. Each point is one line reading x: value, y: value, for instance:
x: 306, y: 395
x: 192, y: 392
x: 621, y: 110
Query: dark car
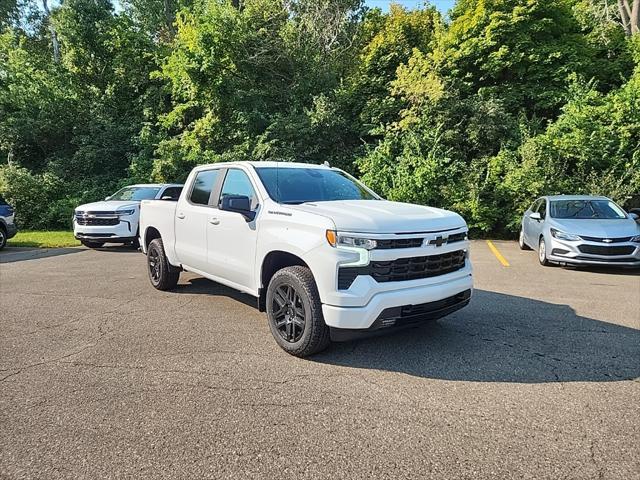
x: 8, y: 226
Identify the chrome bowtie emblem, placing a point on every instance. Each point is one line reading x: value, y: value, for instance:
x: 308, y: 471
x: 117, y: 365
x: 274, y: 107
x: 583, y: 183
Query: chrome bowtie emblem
x: 607, y: 240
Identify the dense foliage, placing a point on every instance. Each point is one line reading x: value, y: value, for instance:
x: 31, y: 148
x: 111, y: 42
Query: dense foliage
x: 480, y: 110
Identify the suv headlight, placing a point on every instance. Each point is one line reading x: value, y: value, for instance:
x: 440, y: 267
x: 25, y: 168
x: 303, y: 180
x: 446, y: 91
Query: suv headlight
x: 564, y: 236
x: 338, y: 240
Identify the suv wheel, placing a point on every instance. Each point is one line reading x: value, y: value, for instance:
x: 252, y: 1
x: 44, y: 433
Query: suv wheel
x: 295, y: 312
x: 521, y: 244
x: 162, y: 274
x: 3, y: 237
x: 92, y: 244
x: 542, y: 253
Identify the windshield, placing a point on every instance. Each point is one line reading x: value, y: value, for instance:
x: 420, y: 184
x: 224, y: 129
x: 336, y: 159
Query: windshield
x: 135, y: 193
x: 299, y: 185
x: 586, y: 209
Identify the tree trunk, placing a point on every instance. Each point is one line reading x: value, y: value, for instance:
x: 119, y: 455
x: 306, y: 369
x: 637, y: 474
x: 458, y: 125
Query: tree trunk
x: 169, y: 17
x: 635, y: 17
x: 52, y: 30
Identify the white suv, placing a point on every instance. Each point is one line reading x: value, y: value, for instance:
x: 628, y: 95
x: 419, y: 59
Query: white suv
x: 326, y: 257
x: 115, y: 220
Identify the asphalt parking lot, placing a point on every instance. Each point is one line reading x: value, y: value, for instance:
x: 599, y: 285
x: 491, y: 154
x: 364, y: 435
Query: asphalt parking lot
x: 102, y: 376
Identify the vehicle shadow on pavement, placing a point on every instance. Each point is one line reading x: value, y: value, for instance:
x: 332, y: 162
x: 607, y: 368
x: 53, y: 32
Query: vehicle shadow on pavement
x: 20, y: 254
x: 200, y: 285
x: 502, y: 338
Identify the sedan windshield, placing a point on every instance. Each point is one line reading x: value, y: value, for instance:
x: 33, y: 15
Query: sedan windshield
x: 586, y: 209
x: 135, y: 193
x: 299, y: 185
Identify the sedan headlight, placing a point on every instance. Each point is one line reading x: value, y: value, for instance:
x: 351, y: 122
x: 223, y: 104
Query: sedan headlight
x: 636, y: 239
x: 564, y: 236
x: 338, y: 240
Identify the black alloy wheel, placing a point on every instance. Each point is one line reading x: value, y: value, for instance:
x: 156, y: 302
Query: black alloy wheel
x: 289, y: 313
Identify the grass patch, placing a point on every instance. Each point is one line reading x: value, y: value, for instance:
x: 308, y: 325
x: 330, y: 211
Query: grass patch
x: 40, y: 239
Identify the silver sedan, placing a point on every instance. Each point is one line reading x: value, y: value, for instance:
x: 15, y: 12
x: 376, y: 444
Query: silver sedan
x: 581, y: 230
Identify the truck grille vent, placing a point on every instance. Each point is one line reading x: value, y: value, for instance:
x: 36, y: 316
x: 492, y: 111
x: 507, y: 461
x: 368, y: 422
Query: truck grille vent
x: 412, y: 268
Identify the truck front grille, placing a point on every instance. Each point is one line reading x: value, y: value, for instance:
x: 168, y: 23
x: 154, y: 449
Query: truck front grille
x: 401, y: 269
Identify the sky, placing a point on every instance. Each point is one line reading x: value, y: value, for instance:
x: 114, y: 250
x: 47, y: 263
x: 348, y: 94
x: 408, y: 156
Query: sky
x: 442, y: 5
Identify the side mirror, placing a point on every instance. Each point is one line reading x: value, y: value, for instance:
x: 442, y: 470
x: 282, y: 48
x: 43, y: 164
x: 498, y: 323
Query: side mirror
x: 535, y: 216
x: 635, y: 216
x: 240, y: 204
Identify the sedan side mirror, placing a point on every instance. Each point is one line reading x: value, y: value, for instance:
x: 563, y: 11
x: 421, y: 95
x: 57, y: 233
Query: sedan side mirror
x: 535, y: 216
x: 635, y: 216
x: 240, y: 204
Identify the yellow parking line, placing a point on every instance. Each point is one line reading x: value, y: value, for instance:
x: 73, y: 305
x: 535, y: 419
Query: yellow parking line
x: 497, y: 253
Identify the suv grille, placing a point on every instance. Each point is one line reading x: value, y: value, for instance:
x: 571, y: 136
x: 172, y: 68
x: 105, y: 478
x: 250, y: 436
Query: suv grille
x: 411, y: 268
x: 598, y: 250
x: 97, y: 221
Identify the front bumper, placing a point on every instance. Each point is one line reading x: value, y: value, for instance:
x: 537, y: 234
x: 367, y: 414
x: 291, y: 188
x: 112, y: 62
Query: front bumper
x: 124, y: 231
x: 364, y: 317
x: 396, y: 318
x: 12, y: 229
x: 622, y: 254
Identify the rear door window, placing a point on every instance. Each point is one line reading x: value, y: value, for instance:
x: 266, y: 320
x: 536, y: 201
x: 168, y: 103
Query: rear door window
x: 203, y: 186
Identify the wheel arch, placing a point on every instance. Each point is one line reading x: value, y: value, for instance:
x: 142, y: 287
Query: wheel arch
x: 273, y: 261
x: 150, y: 234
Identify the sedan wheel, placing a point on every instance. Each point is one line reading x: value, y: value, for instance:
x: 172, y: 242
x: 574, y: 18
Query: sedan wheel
x: 523, y: 246
x: 542, y: 253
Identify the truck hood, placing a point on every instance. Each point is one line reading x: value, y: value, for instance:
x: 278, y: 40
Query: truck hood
x: 603, y: 228
x: 107, y: 205
x: 382, y: 216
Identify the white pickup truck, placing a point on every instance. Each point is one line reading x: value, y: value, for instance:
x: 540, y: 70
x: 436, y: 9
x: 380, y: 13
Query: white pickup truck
x: 326, y: 257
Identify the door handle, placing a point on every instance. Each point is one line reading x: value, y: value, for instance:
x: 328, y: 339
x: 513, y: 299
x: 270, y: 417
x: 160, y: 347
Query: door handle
x: 180, y: 215
x: 214, y: 221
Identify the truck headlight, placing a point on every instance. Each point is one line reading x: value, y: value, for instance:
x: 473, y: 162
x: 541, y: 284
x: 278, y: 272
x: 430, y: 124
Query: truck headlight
x: 126, y: 213
x: 636, y: 239
x: 338, y: 240
x: 564, y: 236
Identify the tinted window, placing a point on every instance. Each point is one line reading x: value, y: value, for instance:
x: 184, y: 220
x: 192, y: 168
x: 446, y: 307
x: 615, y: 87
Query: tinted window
x: 237, y: 183
x: 136, y: 193
x: 534, y: 207
x: 172, y: 192
x: 202, y: 186
x: 586, y: 209
x: 299, y: 185
x: 543, y: 208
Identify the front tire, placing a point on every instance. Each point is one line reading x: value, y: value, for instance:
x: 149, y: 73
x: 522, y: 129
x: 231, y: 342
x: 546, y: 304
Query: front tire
x: 92, y: 244
x: 542, y: 253
x: 521, y: 244
x: 295, y: 312
x: 3, y: 237
x: 162, y: 274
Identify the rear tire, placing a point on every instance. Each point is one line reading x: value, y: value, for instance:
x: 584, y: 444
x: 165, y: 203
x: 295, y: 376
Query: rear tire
x: 295, y: 312
x: 542, y: 253
x: 521, y: 244
x: 3, y: 237
x: 92, y: 244
x: 162, y: 274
